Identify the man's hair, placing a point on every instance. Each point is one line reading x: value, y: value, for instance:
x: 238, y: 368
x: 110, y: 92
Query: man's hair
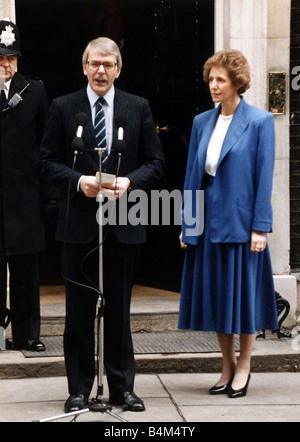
x: 104, y: 45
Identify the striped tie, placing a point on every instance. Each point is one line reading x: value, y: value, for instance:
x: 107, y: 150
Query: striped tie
x: 99, y: 127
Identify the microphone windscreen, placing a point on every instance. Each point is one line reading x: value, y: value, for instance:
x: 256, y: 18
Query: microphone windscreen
x: 121, y: 121
x: 77, y: 144
x: 119, y: 146
x: 81, y: 119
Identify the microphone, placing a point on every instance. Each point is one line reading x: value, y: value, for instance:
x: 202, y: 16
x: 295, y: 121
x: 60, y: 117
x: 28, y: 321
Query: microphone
x: 119, y: 146
x: 81, y: 120
x: 77, y: 144
x: 121, y: 123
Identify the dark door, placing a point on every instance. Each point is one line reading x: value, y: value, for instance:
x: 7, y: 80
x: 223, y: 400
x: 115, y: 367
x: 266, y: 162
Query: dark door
x: 164, y: 45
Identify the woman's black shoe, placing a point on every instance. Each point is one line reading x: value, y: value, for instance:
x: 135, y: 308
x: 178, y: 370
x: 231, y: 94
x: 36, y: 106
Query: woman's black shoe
x: 239, y: 393
x: 223, y: 389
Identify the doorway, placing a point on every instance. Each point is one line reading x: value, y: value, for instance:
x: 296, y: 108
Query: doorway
x: 164, y: 44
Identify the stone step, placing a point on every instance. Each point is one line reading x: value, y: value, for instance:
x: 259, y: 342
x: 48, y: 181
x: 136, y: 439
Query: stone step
x: 269, y: 355
x: 152, y: 310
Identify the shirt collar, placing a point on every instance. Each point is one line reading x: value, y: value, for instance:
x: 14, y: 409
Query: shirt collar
x: 7, y: 87
x: 93, y: 97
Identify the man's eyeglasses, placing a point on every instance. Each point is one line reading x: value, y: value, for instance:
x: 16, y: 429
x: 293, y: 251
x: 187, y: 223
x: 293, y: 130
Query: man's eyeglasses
x: 107, y: 65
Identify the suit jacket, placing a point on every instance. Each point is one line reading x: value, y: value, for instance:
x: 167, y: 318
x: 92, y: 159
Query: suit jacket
x: 21, y: 132
x: 243, y: 182
x: 142, y: 162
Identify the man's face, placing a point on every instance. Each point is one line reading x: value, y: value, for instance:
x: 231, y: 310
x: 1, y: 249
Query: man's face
x: 100, y: 78
x: 8, y: 67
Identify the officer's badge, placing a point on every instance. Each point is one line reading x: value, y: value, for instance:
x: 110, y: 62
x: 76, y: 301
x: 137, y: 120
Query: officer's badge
x: 7, y: 37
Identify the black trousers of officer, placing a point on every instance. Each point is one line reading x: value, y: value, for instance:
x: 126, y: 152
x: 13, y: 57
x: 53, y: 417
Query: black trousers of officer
x: 24, y: 296
x: 24, y: 291
x: 119, y: 269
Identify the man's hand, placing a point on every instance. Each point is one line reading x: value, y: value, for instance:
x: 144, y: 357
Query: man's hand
x: 117, y: 188
x: 89, y: 186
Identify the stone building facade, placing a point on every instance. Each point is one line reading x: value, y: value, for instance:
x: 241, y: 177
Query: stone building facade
x: 261, y: 29
x: 295, y: 136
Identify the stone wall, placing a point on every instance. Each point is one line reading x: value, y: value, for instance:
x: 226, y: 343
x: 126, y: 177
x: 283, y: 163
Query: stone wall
x: 7, y: 10
x: 295, y: 144
x: 295, y: 137
x: 261, y: 30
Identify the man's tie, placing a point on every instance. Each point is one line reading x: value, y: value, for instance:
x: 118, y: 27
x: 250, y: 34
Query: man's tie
x: 2, y: 99
x: 99, y: 126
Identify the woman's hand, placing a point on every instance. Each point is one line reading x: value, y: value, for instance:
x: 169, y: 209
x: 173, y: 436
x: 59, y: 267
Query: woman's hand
x: 182, y: 244
x: 258, y: 241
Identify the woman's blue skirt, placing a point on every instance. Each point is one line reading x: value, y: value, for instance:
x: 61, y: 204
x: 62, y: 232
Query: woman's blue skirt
x: 226, y: 288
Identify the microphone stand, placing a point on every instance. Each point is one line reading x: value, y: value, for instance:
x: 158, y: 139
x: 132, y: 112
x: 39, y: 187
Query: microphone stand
x: 97, y: 405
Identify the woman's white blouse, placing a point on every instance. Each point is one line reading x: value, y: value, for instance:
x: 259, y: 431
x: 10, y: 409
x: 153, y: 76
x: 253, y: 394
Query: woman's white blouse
x: 215, y: 143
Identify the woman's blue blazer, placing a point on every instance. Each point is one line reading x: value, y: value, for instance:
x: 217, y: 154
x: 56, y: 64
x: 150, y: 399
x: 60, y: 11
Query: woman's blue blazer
x: 242, y: 186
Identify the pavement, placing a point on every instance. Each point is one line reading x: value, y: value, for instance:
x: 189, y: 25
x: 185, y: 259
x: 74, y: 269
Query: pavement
x: 169, y: 398
x: 174, y: 387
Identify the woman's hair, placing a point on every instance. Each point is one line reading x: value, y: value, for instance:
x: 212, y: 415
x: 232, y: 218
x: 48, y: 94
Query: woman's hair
x: 236, y: 65
x: 104, y: 45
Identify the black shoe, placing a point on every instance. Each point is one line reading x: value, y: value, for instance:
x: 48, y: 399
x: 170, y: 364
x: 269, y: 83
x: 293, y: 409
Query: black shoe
x: 75, y: 403
x: 128, y: 401
x: 33, y: 345
x: 223, y: 389
x: 241, y: 392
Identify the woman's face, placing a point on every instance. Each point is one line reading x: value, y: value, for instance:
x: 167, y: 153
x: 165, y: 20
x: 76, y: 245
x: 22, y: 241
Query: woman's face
x: 220, y: 85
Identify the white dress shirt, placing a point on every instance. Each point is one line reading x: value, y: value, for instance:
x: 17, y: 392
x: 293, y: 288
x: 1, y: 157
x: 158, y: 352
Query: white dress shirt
x: 6, y: 87
x: 108, y: 108
x: 216, y: 142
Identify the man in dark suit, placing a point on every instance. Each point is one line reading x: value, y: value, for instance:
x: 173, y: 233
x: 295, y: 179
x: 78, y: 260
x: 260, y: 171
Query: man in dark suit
x: 141, y: 167
x: 24, y: 108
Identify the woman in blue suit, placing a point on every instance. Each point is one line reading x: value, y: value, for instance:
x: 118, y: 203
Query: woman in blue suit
x: 227, y: 283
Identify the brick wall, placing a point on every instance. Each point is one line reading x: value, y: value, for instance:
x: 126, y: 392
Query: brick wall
x: 295, y: 137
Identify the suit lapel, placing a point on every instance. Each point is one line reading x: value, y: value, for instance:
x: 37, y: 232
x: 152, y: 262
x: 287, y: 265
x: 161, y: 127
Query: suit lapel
x: 120, y: 109
x: 207, y: 131
x: 82, y: 104
x: 18, y: 83
x: 235, y: 130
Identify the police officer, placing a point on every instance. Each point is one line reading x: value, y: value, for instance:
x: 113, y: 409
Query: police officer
x: 24, y: 108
